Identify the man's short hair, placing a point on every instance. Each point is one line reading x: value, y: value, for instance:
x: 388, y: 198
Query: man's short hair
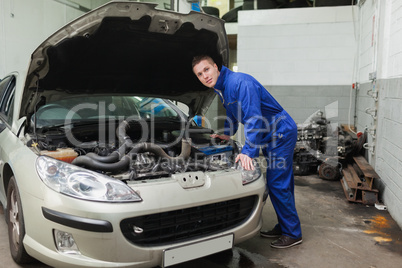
x: 198, y: 59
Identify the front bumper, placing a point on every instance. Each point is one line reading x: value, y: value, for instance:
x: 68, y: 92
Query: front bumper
x: 104, y: 232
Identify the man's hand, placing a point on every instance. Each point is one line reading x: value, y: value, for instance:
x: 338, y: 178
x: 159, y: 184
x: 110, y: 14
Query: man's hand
x: 222, y: 136
x: 246, y: 161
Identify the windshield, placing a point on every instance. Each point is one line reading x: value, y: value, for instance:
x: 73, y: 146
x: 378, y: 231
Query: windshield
x: 92, y: 108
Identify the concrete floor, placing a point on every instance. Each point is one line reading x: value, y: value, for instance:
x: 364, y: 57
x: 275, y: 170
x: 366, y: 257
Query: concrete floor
x: 336, y: 233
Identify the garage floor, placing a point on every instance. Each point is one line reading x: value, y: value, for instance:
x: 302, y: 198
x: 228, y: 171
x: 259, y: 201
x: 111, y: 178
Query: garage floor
x: 336, y: 233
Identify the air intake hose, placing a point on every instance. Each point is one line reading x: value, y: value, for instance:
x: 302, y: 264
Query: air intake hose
x: 88, y: 162
x: 157, y: 150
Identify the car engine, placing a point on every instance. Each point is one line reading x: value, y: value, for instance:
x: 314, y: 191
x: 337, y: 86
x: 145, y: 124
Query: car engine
x: 312, y: 137
x: 130, y: 153
x: 322, y: 147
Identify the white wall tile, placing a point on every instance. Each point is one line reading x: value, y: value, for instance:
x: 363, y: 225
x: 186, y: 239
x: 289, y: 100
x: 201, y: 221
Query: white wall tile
x: 314, y: 51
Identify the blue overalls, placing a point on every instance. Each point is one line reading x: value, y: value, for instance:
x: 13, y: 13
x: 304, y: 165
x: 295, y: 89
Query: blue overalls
x: 269, y: 127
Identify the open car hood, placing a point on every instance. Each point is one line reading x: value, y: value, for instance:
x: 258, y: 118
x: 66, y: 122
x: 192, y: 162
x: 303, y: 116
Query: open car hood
x: 127, y: 48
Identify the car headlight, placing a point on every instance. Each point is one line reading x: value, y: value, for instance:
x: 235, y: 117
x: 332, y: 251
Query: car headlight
x: 249, y: 176
x: 81, y: 183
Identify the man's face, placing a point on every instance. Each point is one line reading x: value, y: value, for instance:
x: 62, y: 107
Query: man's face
x: 207, y: 72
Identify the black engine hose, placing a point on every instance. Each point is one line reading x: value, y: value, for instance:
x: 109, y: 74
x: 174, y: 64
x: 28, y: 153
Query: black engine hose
x: 88, y: 162
x: 109, y: 163
x: 124, y: 139
x: 126, y: 143
x: 112, y: 158
x: 155, y: 149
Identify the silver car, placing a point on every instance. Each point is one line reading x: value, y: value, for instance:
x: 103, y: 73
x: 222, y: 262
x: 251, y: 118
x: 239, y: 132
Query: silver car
x: 99, y: 167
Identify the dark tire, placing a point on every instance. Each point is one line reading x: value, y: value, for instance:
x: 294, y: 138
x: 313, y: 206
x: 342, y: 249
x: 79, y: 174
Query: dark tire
x: 328, y: 172
x: 16, y: 225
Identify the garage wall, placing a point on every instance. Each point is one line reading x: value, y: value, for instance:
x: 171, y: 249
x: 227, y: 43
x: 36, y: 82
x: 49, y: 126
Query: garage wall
x: 308, y: 58
x: 380, y: 75
x: 303, y: 56
x: 367, y: 59
x: 24, y: 24
x: 393, y: 16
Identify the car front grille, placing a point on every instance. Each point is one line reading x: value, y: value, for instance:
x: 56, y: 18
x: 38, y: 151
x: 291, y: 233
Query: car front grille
x: 189, y: 223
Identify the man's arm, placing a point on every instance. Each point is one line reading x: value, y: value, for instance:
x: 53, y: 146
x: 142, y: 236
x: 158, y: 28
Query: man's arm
x: 231, y: 124
x: 230, y: 127
x: 250, y: 101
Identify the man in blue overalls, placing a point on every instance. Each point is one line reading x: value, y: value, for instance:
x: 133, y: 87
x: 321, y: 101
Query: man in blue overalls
x: 267, y: 126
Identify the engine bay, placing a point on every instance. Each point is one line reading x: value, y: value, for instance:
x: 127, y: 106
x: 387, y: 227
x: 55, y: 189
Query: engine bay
x: 137, y: 149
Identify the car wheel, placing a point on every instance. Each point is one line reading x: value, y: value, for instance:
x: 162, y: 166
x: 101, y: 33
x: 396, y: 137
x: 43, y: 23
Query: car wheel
x: 16, y: 226
x: 328, y: 172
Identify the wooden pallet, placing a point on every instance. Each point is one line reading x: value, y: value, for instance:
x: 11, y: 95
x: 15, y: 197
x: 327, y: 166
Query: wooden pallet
x: 357, y: 182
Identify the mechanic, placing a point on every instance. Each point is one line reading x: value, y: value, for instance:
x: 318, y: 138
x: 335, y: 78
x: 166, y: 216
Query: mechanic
x: 267, y: 126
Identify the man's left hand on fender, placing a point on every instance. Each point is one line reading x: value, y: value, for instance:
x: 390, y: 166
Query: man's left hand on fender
x: 246, y: 161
